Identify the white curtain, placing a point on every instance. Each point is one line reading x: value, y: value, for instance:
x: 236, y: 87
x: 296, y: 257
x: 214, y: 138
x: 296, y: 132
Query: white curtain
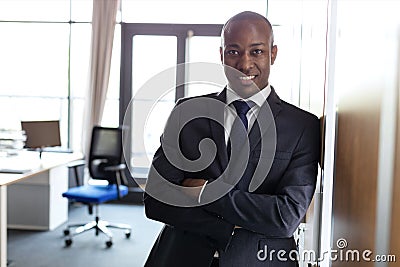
x: 103, y: 26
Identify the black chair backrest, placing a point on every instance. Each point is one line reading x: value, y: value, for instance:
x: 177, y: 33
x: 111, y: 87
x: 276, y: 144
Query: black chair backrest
x: 105, y: 150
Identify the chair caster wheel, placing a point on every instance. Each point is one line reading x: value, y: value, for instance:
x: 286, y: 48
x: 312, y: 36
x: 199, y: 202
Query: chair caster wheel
x: 128, y: 234
x: 66, y: 232
x: 109, y: 244
x: 68, y: 242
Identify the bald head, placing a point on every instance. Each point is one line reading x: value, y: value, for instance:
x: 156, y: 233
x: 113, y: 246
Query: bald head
x: 247, y: 47
x: 246, y: 17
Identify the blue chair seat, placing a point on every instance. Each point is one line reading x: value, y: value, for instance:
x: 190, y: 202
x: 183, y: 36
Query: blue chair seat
x: 95, y: 194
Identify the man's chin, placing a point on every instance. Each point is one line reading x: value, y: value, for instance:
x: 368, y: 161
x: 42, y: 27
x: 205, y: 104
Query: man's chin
x: 245, y: 91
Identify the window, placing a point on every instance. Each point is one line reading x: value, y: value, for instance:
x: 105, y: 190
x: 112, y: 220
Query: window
x: 44, y: 60
x: 300, y: 34
x: 143, y: 68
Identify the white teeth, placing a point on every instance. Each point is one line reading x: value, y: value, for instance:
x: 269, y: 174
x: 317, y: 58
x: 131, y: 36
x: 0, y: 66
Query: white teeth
x: 246, y: 78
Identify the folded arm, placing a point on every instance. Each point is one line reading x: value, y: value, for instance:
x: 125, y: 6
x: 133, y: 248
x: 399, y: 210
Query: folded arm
x: 280, y: 213
x: 192, y: 219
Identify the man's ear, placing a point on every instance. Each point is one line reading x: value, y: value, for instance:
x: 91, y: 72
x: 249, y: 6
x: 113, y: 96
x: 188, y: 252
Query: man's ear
x: 221, y: 53
x: 274, y: 52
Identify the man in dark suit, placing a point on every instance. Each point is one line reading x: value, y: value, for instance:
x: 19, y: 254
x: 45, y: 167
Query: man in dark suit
x: 255, y: 190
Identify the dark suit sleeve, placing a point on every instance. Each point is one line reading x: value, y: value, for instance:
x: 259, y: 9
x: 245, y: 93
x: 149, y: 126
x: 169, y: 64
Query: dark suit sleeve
x: 192, y: 219
x: 278, y: 214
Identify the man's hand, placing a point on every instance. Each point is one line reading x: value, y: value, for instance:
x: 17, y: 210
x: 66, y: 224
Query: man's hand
x: 190, y: 182
x: 194, y: 186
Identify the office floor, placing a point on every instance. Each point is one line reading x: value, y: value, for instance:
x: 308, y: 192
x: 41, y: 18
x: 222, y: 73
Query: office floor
x: 47, y: 249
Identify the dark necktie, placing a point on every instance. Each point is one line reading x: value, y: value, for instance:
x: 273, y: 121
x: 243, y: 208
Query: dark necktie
x: 242, y: 108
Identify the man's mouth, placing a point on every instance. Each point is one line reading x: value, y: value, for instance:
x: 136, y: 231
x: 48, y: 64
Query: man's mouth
x: 247, y: 78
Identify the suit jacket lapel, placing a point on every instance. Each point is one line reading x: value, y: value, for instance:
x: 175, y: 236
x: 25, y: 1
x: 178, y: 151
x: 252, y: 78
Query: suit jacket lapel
x: 273, y: 104
x: 217, y: 130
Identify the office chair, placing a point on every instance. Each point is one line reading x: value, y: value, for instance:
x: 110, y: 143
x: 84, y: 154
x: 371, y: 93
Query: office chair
x: 104, y: 163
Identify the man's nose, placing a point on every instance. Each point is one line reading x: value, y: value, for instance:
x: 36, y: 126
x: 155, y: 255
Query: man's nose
x: 245, y: 63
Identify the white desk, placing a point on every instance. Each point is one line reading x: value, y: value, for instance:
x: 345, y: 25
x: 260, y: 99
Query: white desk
x: 49, y: 172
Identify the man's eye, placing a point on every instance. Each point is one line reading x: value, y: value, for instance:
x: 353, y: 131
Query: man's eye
x: 257, y: 51
x: 232, y: 52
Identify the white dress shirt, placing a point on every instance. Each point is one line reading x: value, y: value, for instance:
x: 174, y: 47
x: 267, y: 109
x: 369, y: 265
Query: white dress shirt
x: 230, y: 112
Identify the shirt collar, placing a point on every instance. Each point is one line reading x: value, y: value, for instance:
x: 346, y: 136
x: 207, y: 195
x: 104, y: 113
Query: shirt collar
x: 258, y: 98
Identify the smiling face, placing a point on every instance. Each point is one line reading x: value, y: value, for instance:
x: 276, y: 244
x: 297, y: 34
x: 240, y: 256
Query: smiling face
x: 247, y: 47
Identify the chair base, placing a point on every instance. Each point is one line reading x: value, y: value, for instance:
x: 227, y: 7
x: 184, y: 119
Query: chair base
x: 99, y: 226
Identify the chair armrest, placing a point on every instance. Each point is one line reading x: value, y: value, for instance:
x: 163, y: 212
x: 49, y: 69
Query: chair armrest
x: 118, y: 169
x: 115, y: 168
x: 76, y: 163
